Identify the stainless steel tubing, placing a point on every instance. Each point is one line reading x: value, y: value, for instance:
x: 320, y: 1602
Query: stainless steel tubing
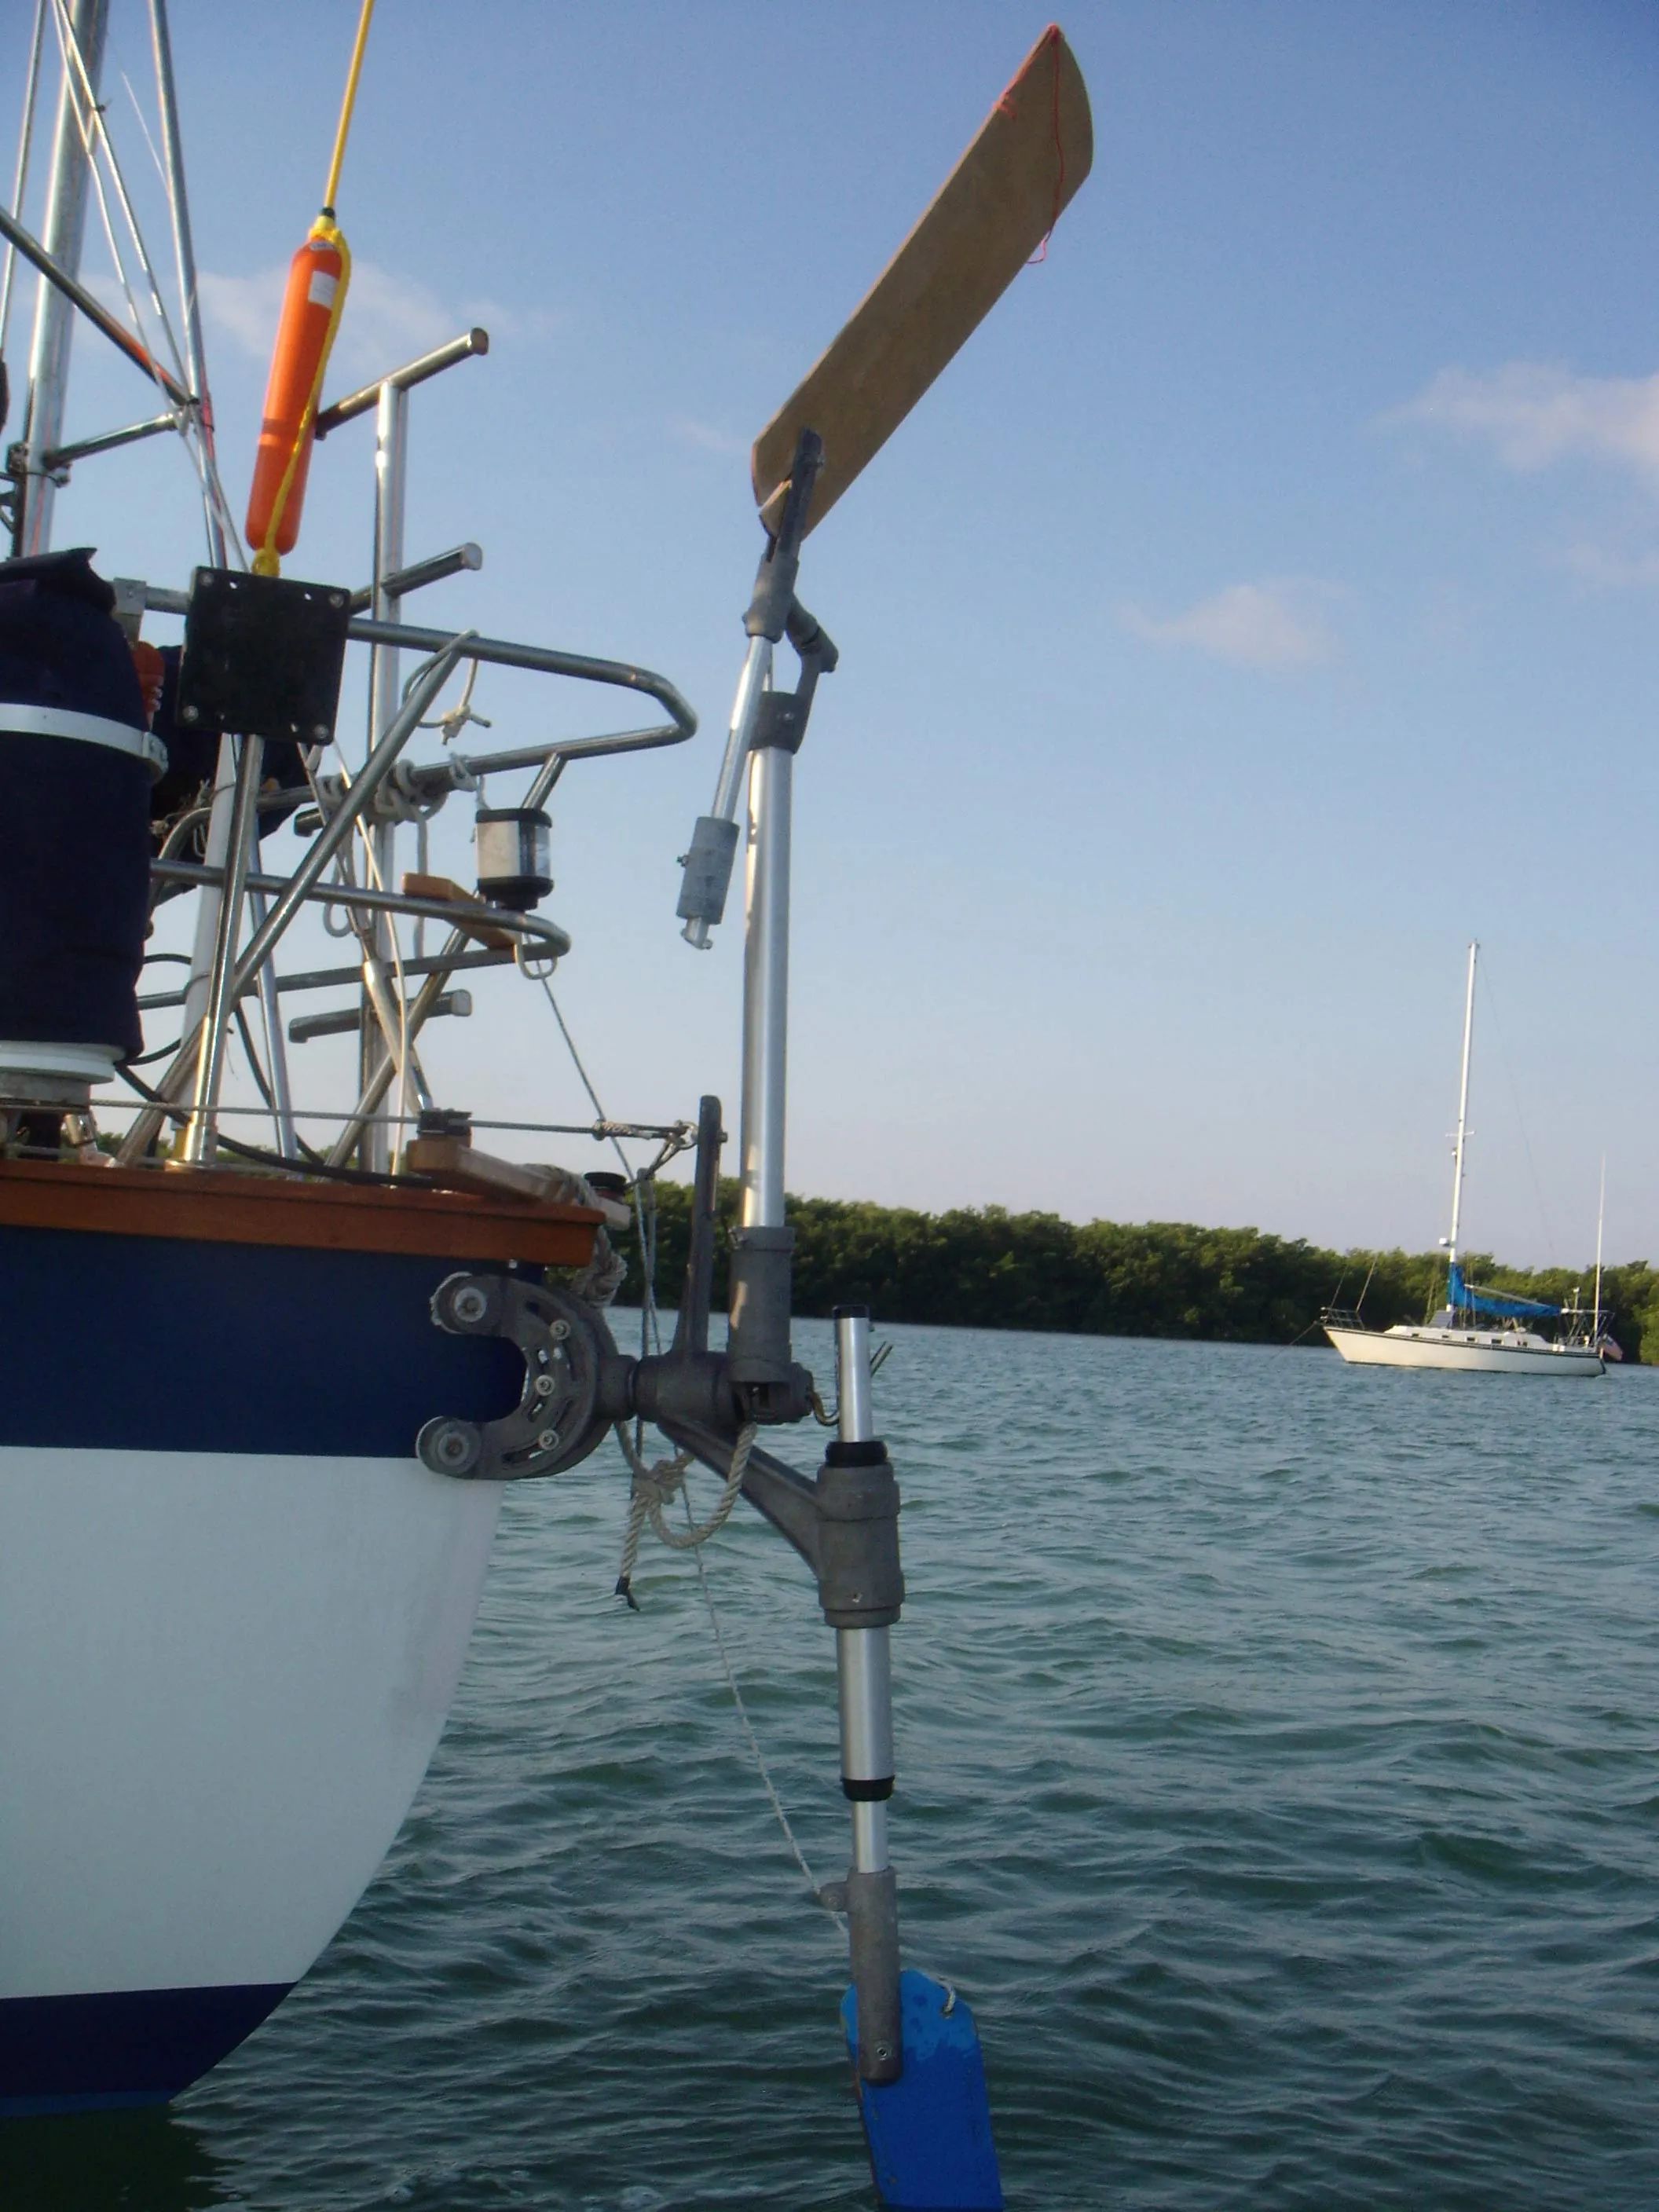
x: 547, y: 660
x: 503, y: 653
x: 335, y: 979
x: 201, y: 1136
x: 546, y: 938
x: 432, y: 570
x: 405, y: 379
x: 293, y: 894
x: 766, y: 988
x: 391, y: 470
x: 63, y: 457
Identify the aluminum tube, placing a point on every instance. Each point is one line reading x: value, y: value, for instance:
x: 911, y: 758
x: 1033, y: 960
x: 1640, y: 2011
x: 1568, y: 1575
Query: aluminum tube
x: 766, y: 988
x: 327, y: 843
x: 457, y: 561
x: 411, y: 374
x: 864, y: 1674
x: 752, y: 685
x: 864, y: 1671
x: 857, y: 1415
x: 390, y: 470
x: 271, y: 1015
x: 107, y: 441
x: 54, y: 314
x: 869, y: 1852
x: 200, y: 1137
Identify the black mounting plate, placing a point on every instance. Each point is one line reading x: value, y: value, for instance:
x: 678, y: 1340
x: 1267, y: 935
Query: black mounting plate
x: 263, y: 656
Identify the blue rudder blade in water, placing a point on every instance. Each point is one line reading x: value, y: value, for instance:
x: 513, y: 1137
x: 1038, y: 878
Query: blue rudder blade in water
x: 929, y: 2132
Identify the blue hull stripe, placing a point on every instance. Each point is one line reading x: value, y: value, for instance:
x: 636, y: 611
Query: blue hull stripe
x: 129, y: 2047
x: 157, y: 1344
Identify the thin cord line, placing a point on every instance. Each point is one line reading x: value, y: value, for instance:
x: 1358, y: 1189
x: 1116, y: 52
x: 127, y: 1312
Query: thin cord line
x: 1550, y: 1243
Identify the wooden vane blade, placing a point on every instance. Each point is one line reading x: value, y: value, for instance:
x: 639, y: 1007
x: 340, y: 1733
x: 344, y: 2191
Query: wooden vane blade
x: 992, y: 213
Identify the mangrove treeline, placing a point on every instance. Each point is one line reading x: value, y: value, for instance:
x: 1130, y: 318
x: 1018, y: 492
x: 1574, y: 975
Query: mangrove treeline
x: 987, y: 1268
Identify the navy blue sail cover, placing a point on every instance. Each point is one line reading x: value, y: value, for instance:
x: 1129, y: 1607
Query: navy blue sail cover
x: 1463, y: 1297
x: 74, y: 817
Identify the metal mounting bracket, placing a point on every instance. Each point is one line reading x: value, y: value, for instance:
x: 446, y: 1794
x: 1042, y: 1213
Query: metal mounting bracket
x: 561, y: 1415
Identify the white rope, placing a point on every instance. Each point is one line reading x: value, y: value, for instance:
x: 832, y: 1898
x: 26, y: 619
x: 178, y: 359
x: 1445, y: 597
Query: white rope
x: 655, y: 1487
x: 755, y: 1751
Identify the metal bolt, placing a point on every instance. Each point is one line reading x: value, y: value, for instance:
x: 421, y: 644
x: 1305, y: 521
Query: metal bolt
x: 547, y: 1440
x: 337, y: 599
x: 319, y: 733
x: 544, y: 1386
x: 189, y: 715
x: 468, y: 1304
x: 560, y: 1330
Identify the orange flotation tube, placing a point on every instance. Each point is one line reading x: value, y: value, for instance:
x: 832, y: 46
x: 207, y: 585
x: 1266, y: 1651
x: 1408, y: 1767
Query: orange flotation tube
x: 317, y: 279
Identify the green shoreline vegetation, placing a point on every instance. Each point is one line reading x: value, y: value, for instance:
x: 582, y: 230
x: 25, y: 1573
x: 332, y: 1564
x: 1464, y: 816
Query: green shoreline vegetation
x: 987, y: 1268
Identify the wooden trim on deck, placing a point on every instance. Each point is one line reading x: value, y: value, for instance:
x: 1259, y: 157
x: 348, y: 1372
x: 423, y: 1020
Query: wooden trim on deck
x: 216, y: 1206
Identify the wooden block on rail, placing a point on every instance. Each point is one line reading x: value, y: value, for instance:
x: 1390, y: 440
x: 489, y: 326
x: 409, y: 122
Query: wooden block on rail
x: 451, y: 1162
x: 442, y: 889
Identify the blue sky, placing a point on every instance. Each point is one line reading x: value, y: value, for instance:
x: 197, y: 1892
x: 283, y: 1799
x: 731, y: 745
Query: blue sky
x: 1261, y: 606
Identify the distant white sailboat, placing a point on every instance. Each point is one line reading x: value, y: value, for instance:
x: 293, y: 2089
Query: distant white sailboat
x: 1479, y: 1331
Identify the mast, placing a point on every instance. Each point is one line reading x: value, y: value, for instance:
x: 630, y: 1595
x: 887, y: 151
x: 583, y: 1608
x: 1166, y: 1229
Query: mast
x: 1462, y: 1113
x: 54, y: 315
x: 1601, y: 1218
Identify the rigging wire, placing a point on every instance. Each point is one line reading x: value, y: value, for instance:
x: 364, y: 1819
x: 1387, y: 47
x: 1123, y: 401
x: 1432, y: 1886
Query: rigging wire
x: 1550, y: 1243
x: 20, y: 182
x: 95, y: 135
x: 693, y: 1541
x: 191, y: 422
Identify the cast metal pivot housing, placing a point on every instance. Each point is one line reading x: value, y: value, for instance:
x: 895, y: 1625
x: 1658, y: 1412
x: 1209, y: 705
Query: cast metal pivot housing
x: 570, y: 1357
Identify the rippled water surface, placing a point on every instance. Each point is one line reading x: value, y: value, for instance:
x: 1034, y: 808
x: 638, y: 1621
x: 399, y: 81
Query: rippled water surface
x: 1279, y: 1779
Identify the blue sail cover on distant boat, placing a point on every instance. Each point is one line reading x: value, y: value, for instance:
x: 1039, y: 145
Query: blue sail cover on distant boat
x: 1463, y: 1299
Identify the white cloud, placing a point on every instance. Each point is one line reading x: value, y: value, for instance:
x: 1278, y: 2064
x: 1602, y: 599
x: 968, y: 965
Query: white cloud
x: 1535, y: 414
x: 1611, y: 571
x: 1273, y: 624
x: 388, y: 318
x: 689, y: 431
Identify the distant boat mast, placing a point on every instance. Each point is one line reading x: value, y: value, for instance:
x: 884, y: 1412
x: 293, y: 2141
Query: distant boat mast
x: 1462, y: 1113
x: 1600, y: 1217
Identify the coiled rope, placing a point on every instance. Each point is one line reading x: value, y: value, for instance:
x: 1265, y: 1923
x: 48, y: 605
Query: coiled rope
x: 656, y: 1486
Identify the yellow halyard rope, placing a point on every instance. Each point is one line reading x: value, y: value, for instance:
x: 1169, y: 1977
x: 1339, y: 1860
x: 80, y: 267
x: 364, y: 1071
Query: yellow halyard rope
x: 266, y: 560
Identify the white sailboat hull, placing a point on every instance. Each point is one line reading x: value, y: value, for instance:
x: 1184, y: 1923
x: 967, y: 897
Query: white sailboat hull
x: 223, y: 1679
x: 1467, y: 1351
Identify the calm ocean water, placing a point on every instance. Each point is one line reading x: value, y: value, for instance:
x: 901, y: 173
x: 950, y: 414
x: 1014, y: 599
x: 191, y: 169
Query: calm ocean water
x: 1279, y: 1779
